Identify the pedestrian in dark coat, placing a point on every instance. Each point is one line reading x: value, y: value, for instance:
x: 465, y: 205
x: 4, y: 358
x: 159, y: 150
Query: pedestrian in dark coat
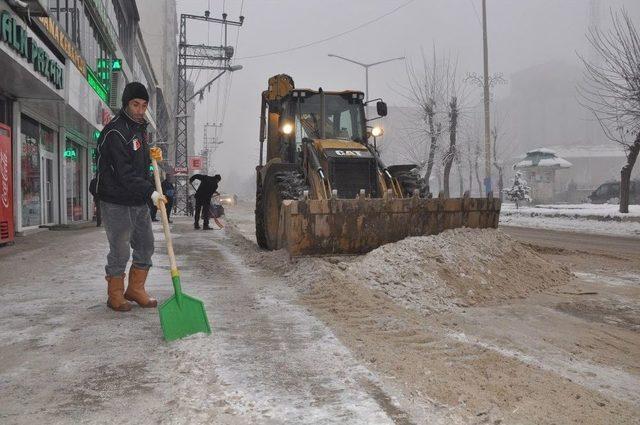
x: 208, y: 186
x: 169, y: 191
x: 123, y: 187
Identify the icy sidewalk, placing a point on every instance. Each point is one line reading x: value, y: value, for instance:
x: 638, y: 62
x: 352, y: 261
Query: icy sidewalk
x: 601, y: 219
x: 69, y: 359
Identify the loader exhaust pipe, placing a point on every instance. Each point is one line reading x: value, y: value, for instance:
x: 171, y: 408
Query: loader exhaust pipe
x: 323, y: 114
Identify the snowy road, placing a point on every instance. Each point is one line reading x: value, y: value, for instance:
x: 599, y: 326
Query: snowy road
x: 348, y: 340
x: 66, y: 358
x: 618, y: 245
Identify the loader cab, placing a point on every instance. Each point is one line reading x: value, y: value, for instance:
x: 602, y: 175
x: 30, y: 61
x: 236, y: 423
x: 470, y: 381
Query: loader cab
x: 302, y: 115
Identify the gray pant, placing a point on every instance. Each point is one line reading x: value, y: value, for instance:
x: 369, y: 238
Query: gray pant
x: 127, y: 227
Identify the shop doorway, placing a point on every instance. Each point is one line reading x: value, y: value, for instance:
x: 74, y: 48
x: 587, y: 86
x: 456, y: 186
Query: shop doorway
x: 47, y: 184
x: 38, y: 174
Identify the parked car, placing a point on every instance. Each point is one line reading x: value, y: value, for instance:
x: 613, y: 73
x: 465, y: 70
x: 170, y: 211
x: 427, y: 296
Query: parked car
x: 610, y: 192
x: 228, y: 199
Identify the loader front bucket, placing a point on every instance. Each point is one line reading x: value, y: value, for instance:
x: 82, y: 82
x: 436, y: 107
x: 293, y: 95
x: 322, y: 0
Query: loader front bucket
x: 357, y: 226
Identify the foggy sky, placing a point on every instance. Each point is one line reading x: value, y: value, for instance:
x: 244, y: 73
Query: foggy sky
x: 522, y: 33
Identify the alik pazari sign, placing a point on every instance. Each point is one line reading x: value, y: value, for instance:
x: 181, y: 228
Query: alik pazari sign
x: 61, y: 39
x: 17, y: 37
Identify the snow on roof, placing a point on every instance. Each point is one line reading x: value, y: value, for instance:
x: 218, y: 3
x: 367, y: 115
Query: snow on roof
x: 542, y: 157
x: 554, y: 162
x: 524, y: 163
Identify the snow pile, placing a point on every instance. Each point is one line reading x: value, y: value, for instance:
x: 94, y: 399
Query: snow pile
x: 458, y: 268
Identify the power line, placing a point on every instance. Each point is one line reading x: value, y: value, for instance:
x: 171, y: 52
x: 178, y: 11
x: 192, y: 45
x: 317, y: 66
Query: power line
x: 230, y: 79
x: 313, y: 43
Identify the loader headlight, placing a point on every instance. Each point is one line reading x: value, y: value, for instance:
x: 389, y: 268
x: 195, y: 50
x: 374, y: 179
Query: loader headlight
x: 377, y: 131
x: 287, y: 128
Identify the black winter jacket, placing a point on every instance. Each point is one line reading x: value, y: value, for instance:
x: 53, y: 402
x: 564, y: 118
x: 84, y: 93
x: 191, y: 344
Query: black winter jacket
x: 208, y: 185
x: 123, y: 163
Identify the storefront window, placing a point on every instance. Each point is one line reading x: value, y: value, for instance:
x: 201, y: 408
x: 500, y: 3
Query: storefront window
x: 30, y: 182
x: 74, y: 158
x: 94, y: 161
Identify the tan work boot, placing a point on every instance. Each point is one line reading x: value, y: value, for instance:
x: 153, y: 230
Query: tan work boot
x: 115, y: 290
x: 135, y: 289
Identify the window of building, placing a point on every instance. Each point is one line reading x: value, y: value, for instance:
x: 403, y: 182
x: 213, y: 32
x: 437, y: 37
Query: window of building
x: 68, y: 14
x: 125, y: 31
x: 74, y: 17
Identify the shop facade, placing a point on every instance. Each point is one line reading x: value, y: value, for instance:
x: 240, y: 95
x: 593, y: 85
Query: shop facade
x: 52, y: 116
x: 63, y: 71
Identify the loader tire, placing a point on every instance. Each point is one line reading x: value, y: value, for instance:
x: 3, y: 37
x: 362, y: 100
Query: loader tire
x: 409, y: 183
x: 277, y: 187
x: 260, y: 231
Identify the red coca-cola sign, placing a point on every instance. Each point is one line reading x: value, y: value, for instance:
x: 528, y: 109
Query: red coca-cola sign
x: 6, y: 186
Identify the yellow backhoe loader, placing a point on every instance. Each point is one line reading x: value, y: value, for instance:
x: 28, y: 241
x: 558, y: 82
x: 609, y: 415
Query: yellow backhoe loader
x: 324, y: 189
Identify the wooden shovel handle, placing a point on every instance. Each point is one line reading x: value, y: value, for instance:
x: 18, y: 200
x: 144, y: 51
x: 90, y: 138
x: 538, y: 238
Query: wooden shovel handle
x: 165, y: 219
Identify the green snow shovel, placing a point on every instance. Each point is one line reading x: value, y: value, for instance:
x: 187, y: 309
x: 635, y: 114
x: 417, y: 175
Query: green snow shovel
x: 180, y: 315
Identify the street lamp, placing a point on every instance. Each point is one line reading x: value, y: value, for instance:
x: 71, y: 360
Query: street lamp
x: 200, y: 92
x: 366, y: 67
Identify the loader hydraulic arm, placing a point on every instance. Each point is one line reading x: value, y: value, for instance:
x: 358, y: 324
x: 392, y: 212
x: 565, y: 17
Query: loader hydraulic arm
x: 316, y: 175
x: 389, y: 181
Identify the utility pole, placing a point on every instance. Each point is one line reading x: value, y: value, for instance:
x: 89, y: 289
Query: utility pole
x: 487, y: 121
x: 196, y: 56
x: 366, y: 67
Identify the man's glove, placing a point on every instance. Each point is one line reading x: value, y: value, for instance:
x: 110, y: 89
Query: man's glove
x: 156, y: 198
x: 156, y: 153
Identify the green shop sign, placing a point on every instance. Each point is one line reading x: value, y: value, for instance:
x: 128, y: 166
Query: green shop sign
x: 16, y: 37
x: 97, y: 86
x: 71, y: 153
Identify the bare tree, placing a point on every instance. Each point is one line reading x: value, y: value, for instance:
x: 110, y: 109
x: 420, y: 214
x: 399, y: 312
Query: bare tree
x: 469, y: 155
x: 451, y: 152
x: 428, y: 88
x: 477, y: 151
x: 497, y: 164
x: 471, y: 137
x: 500, y: 150
x: 612, y: 90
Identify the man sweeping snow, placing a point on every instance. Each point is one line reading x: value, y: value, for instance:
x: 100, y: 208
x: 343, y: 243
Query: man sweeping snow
x: 208, y: 186
x: 123, y: 187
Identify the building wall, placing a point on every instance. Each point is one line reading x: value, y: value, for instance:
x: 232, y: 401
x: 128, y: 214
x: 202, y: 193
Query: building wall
x: 55, y: 118
x: 159, y: 27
